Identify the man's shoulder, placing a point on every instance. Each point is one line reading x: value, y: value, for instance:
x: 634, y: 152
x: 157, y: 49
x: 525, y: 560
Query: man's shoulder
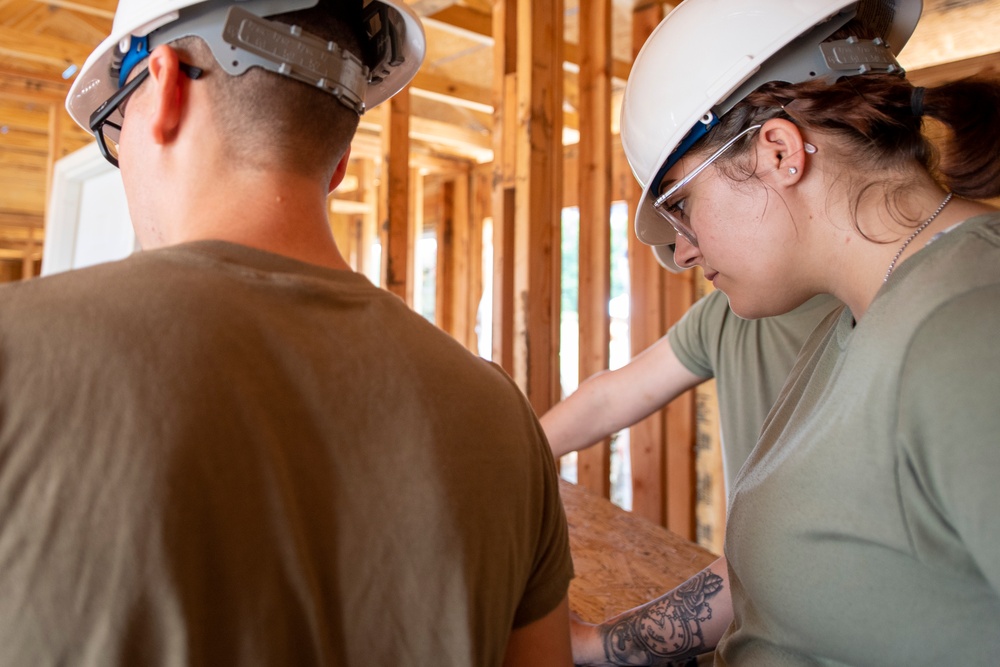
x: 65, y: 287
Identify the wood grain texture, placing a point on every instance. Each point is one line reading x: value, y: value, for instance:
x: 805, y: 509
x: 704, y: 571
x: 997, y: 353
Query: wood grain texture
x: 621, y: 561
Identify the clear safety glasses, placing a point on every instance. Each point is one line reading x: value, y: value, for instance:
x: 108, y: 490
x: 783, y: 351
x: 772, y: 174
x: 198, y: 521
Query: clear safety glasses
x: 106, y: 121
x: 670, y: 204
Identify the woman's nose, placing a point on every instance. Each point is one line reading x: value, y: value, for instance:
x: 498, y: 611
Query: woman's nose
x: 685, y: 253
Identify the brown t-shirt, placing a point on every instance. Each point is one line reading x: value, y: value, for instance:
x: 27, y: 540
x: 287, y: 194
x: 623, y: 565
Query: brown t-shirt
x: 212, y: 455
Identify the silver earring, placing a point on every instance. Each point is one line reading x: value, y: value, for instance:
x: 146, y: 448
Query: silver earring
x: 793, y: 171
x: 809, y: 148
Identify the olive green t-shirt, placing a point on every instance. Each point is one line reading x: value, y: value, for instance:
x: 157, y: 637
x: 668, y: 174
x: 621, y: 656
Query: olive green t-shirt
x: 749, y: 359
x: 212, y: 455
x: 865, y: 527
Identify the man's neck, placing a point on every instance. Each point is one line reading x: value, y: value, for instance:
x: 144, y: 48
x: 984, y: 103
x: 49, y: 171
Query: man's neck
x: 279, y: 213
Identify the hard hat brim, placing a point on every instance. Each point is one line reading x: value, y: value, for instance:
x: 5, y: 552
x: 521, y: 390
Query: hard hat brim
x: 95, y: 83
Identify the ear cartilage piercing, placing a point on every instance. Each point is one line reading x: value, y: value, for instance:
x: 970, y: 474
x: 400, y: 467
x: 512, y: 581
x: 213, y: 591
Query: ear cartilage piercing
x: 809, y: 148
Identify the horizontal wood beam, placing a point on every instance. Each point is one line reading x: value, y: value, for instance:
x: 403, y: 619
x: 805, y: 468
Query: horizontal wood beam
x: 33, y: 88
x: 367, y: 145
x: 100, y: 9
x: 21, y: 117
x: 478, y: 26
x: 19, y: 161
x: 471, y: 145
x: 465, y: 21
x: 47, y: 49
x: 952, y: 31
x: 19, y: 219
x: 478, y: 145
x: 442, y: 88
x: 19, y: 253
x: 31, y: 142
x: 349, y: 207
x: 938, y: 74
x: 25, y: 142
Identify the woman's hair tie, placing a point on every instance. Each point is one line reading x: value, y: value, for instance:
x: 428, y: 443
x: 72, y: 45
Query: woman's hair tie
x: 917, y: 101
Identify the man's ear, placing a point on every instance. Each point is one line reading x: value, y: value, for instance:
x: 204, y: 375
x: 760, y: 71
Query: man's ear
x: 167, y: 94
x: 781, y: 150
x: 340, y: 171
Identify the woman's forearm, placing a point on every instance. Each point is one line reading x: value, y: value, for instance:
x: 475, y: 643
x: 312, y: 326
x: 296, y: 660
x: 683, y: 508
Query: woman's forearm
x: 685, y: 622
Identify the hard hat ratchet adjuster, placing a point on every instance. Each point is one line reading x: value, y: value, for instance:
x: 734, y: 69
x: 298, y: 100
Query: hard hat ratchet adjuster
x: 300, y: 56
x: 132, y: 50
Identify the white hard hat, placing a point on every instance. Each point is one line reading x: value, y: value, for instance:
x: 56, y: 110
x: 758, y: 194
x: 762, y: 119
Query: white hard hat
x: 707, y: 55
x: 240, y: 40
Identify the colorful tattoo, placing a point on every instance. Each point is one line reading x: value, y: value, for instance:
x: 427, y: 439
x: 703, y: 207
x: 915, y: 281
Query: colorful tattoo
x: 665, y: 630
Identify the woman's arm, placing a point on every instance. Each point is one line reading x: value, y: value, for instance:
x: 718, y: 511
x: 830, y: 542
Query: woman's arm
x: 685, y: 622
x: 611, y: 400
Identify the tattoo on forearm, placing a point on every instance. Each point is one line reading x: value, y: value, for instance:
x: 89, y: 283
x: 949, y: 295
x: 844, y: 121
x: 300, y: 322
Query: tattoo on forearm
x: 666, y: 629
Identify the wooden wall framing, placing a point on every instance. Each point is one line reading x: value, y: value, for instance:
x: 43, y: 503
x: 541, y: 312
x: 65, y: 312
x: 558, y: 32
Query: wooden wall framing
x: 528, y: 66
x: 594, y: 196
x: 506, y: 165
x: 663, y: 471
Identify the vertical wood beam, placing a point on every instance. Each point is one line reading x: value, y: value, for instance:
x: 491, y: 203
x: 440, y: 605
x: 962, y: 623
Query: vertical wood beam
x: 369, y: 221
x: 357, y: 232
x: 479, y: 210
x: 504, y: 135
x: 454, y: 262
x: 340, y: 225
x: 681, y: 424
x: 664, y: 467
x: 463, y: 318
x: 55, y: 146
x: 482, y: 217
x: 397, y: 227
x: 54, y: 151
x: 537, y: 200
x: 28, y: 262
x: 594, y: 188
x: 444, y: 308
x: 414, y: 231
x: 680, y: 508
x: 647, y: 323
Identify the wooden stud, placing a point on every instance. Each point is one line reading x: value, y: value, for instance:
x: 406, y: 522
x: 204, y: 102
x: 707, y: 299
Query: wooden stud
x: 415, y: 230
x: 369, y: 221
x: 594, y: 195
x: 454, y: 250
x: 504, y: 135
x: 28, y: 261
x: 646, y: 325
x: 446, y: 269
x: 397, y: 232
x: 340, y: 227
x: 537, y: 201
x: 479, y: 202
x: 681, y: 422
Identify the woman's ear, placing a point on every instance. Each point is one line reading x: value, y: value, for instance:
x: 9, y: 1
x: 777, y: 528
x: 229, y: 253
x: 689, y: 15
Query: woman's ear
x: 167, y: 95
x: 781, y: 150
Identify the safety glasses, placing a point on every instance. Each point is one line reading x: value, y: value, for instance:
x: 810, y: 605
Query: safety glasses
x: 106, y: 121
x: 670, y: 204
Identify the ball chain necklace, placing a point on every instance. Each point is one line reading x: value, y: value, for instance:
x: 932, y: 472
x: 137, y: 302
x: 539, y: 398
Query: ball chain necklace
x: 922, y: 227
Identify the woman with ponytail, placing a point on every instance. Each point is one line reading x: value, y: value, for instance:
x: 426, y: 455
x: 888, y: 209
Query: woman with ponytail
x: 864, y: 529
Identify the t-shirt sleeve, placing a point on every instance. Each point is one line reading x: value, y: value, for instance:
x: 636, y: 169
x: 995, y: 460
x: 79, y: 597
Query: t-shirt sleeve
x: 949, y: 431
x: 694, y: 336
x: 553, y: 565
